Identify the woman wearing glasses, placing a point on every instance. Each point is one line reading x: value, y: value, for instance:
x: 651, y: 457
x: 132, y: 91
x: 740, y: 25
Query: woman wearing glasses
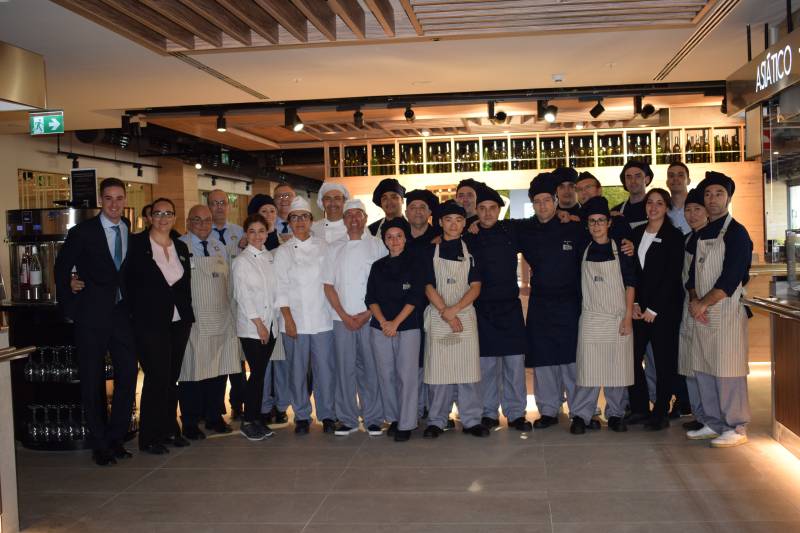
x: 160, y: 297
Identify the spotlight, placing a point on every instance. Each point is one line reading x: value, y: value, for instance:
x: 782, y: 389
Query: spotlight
x: 597, y: 110
x: 247, y: 186
x: 213, y: 181
x: 723, y: 107
x: 425, y: 132
x: 75, y: 163
x: 291, y: 120
x: 409, y: 114
x: 198, y: 165
x: 550, y: 113
x: 579, y: 125
x: 222, y: 126
x: 501, y: 116
x: 637, y: 105
x: 139, y: 172
x: 490, y: 109
x: 358, y: 119
x: 647, y: 110
x: 126, y: 124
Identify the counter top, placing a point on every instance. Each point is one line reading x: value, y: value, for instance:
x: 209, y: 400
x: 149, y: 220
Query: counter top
x: 782, y: 302
x: 776, y: 269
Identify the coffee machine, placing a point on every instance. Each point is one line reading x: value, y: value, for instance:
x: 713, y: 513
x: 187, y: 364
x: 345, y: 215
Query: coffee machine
x: 34, y: 239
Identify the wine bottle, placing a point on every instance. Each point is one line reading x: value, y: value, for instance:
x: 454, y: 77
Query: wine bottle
x: 706, y: 149
x: 689, y: 150
x: 35, y: 272
x: 735, y: 148
x: 25, y: 269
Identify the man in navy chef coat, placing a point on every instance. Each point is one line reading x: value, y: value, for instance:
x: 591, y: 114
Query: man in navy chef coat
x: 635, y: 177
x: 388, y: 195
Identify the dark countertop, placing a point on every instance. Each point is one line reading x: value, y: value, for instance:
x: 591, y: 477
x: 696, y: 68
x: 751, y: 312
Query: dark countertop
x: 782, y: 301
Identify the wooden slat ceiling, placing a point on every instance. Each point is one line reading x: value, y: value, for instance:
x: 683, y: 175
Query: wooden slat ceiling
x: 167, y: 26
x: 264, y: 130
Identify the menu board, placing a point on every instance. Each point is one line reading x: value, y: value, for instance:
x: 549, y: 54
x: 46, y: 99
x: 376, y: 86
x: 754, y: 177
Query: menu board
x: 84, y: 187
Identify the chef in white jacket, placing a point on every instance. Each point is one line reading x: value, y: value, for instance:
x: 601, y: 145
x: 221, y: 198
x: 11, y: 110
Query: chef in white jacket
x: 346, y: 274
x: 331, y: 199
x: 307, y: 326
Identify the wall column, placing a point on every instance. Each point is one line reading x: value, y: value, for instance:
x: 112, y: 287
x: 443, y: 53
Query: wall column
x: 178, y: 182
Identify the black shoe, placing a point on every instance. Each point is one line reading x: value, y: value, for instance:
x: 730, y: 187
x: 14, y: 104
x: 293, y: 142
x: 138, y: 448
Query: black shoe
x: 545, y: 422
x: 119, y: 452
x: 179, y: 442
x: 451, y: 424
x: 301, y: 427
x: 520, y: 424
x: 266, y: 418
x: 392, y: 430
x: 694, y: 425
x: 237, y: 412
x: 578, y: 426
x: 637, y: 418
x: 154, y: 449
x: 489, y: 422
x: 219, y: 426
x: 193, y: 432
x: 656, y: 424
x: 616, y: 423
x: 593, y: 424
x: 103, y: 457
x: 478, y: 430
x: 402, y: 436
x: 432, y: 432
x: 328, y: 426
x: 280, y: 418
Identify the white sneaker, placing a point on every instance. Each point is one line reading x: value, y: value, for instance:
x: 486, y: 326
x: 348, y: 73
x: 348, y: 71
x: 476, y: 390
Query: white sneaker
x: 729, y: 439
x: 704, y: 433
x: 344, y: 431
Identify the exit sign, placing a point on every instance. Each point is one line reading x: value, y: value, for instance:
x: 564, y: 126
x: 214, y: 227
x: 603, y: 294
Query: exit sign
x: 46, y: 122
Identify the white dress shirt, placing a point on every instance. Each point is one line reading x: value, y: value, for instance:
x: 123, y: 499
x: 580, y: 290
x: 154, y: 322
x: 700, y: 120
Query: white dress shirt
x: 255, y: 290
x: 299, y: 265
x: 678, y: 218
x: 644, y: 245
x: 347, y: 268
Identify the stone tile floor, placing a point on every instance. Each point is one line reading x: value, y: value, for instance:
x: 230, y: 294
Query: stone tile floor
x: 544, y: 481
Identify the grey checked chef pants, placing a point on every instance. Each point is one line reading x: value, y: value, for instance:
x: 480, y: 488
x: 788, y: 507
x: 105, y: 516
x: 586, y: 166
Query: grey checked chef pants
x: 725, y: 404
x: 615, y: 406
x: 694, y: 399
x: 398, y: 362
x: 318, y: 349
x: 356, y: 376
x: 469, y: 404
x: 503, y: 377
x: 276, y: 387
x: 550, y: 383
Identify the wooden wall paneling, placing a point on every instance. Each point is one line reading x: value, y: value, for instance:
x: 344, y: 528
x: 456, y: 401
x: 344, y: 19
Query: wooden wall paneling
x: 352, y: 15
x: 320, y: 15
x: 178, y: 182
x: 155, y: 21
x: 183, y: 16
x: 259, y: 20
x: 222, y: 18
x: 288, y: 16
x: 787, y: 373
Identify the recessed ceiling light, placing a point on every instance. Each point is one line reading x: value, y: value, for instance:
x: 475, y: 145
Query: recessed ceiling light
x: 776, y: 153
x: 426, y: 132
x: 579, y: 125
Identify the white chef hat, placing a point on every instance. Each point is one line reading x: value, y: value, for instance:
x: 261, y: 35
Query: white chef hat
x: 354, y: 203
x: 331, y: 186
x: 299, y: 204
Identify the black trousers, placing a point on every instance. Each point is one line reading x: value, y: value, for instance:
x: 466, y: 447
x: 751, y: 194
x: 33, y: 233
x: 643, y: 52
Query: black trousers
x: 236, y: 395
x: 257, y: 356
x: 662, y: 334
x: 160, y: 354
x: 93, y: 343
x: 202, y: 399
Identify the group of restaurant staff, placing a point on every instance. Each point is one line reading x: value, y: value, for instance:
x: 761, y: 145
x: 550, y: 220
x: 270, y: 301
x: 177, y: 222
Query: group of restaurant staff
x: 393, y: 322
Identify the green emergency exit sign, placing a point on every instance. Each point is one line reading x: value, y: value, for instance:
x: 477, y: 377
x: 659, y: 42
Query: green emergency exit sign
x: 46, y: 122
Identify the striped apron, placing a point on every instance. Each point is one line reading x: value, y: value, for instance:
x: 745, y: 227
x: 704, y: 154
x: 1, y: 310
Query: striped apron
x: 685, y: 363
x: 213, y: 349
x: 605, y: 358
x: 632, y: 224
x: 720, y: 346
x: 451, y: 358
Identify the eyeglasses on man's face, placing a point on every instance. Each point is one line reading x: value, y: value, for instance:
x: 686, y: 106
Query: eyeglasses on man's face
x: 597, y: 221
x: 297, y: 218
x: 162, y: 214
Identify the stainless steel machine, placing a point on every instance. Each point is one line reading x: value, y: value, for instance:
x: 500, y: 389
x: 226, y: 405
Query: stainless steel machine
x: 793, y: 258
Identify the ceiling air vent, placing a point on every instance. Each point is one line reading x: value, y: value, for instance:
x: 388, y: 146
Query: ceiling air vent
x: 219, y: 75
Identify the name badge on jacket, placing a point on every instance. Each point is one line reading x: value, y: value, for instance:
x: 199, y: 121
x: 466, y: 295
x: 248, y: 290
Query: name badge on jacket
x: 566, y: 246
x: 407, y: 286
x: 599, y: 279
x: 450, y: 281
x: 656, y: 239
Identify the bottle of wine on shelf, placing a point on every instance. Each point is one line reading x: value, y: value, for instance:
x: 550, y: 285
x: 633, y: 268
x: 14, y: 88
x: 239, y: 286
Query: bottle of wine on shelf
x: 735, y: 148
x: 706, y: 150
x: 690, y: 150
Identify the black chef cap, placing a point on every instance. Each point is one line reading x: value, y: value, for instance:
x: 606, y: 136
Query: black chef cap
x: 469, y: 182
x: 587, y: 176
x: 425, y: 195
x: 387, y: 185
x: 644, y: 167
x: 717, y: 178
x: 396, y: 222
x: 596, y: 205
x: 543, y: 183
x: 484, y: 193
x: 450, y: 207
x: 695, y: 196
x: 258, y: 201
x: 563, y: 174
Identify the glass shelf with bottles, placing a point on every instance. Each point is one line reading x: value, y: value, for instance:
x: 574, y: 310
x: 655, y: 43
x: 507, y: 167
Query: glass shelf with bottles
x: 609, y: 150
x: 355, y: 161
x: 439, y: 157
x: 495, y: 154
x: 552, y: 152
x: 411, y: 158
x: 467, y: 155
x: 726, y: 145
x: 382, y: 160
x: 334, y: 164
x: 668, y: 147
x: 581, y: 151
x: 639, y: 148
x: 523, y: 153
x: 697, y: 148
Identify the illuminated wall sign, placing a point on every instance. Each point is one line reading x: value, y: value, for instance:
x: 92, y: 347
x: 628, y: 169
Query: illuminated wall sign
x: 772, y: 71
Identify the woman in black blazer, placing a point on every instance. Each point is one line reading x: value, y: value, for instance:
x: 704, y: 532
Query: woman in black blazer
x: 657, y: 310
x: 159, y: 291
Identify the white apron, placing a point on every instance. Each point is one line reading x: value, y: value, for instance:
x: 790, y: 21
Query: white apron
x: 685, y: 362
x: 213, y: 348
x: 720, y: 346
x: 605, y: 358
x: 451, y: 357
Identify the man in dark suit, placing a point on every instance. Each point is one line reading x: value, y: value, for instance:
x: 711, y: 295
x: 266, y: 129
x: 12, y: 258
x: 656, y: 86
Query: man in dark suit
x: 97, y: 249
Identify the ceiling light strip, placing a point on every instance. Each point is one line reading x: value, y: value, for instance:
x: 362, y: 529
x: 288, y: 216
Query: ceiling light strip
x: 723, y: 8
x: 219, y: 75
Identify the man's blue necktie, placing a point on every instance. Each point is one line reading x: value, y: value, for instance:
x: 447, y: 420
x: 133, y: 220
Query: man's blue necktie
x: 205, y: 248
x: 221, y: 235
x: 117, y: 246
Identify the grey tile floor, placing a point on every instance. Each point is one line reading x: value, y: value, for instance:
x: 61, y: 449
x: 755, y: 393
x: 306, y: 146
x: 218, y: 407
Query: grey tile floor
x: 544, y: 481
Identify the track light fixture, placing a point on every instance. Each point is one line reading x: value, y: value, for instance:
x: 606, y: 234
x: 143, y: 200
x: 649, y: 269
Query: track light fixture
x: 597, y: 110
x: 213, y: 181
x: 358, y: 119
x: 637, y: 105
x: 723, y: 107
x: 247, y: 186
x: 425, y: 132
x: 550, y: 113
x: 75, y: 163
x: 501, y: 116
x: 139, y: 171
x: 647, y: 110
x: 490, y: 109
x: 222, y: 125
x: 291, y: 120
x: 126, y: 124
x: 409, y: 114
